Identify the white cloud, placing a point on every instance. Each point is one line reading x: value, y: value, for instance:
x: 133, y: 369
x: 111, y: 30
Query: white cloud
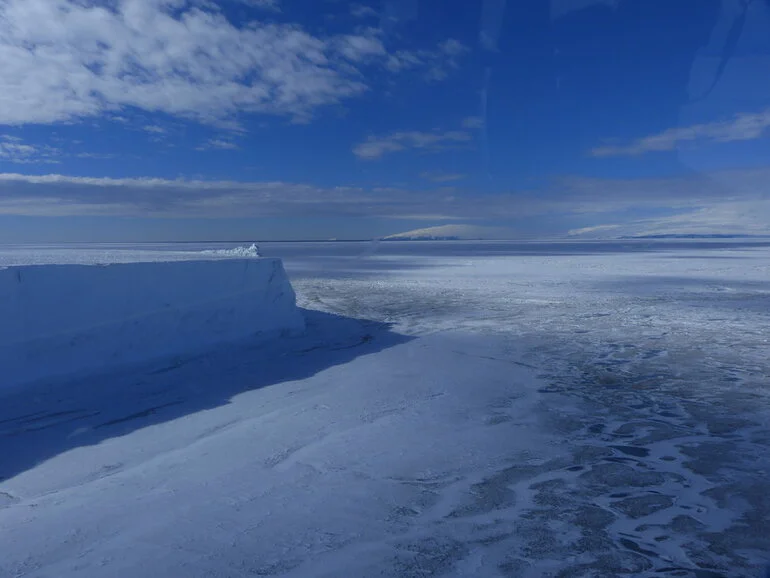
x: 99, y: 156
x: 404, y: 60
x: 448, y: 53
x: 12, y: 149
x: 492, y: 17
x: 726, y: 202
x: 363, y: 11
x: 375, y: 147
x: 437, y: 63
x: 361, y: 47
x: 216, y: 143
x: 62, y: 195
x: 16, y: 152
x: 473, y: 122
x: 452, y: 47
x: 63, y: 60
x: 744, y: 126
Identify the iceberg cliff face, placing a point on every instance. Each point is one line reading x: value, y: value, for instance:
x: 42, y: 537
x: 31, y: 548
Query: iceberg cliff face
x: 58, y: 320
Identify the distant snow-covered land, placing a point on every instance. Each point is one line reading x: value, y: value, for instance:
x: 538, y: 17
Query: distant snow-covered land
x: 452, y: 233
x: 452, y: 409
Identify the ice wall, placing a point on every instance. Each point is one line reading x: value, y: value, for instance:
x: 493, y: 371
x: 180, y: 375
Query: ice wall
x: 57, y: 320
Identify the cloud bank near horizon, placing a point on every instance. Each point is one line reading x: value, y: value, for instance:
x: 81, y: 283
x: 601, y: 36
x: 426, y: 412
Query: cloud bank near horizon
x: 729, y: 201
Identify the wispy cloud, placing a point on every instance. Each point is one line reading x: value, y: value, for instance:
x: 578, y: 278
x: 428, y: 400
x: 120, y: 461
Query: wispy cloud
x: 154, y: 129
x: 61, y: 195
x: 439, y: 177
x: 64, y: 60
x: 216, y: 143
x: 13, y: 149
x: 375, y: 147
x: 96, y: 156
x: 363, y: 11
x: 362, y: 47
x: 492, y: 18
x: 744, y: 126
x: 473, y: 122
x: 725, y: 202
x: 437, y: 64
x: 17, y: 153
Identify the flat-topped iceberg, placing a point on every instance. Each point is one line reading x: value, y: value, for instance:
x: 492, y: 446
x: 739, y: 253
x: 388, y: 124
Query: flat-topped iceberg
x: 58, y: 320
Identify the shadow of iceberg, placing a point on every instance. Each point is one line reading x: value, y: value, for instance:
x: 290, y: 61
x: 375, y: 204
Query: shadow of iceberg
x: 41, y: 421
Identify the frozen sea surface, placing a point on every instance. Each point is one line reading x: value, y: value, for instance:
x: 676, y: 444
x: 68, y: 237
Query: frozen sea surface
x: 454, y: 409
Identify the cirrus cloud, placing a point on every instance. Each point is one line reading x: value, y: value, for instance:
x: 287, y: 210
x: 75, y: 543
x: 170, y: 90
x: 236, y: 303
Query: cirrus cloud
x: 15, y: 150
x: 375, y: 147
x: 728, y: 201
x: 217, y: 143
x: 744, y: 126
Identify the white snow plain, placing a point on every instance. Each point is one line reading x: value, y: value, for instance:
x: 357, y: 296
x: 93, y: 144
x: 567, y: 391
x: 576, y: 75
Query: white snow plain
x: 453, y: 409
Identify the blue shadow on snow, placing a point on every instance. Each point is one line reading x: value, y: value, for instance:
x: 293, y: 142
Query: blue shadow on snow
x: 46, y: 419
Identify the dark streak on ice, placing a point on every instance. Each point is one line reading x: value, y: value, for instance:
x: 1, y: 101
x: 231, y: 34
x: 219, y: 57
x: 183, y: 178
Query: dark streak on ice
x: 137, y: 415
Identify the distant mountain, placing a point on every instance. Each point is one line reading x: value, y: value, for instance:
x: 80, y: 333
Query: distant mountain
x: 642, y: 231
x: 688, y: 236
x: 453, y: 233
x: 428, y: 238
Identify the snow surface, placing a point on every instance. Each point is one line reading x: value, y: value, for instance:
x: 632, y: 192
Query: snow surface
x: 453, y: 409
x: 63, y: 319
x: 110, y: 253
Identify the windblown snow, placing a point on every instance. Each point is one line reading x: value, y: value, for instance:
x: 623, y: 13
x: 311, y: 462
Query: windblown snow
x: 63, y: 319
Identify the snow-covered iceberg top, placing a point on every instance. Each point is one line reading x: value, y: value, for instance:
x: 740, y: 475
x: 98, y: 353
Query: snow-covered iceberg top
x: 58, y: 320
x: 251, y: 251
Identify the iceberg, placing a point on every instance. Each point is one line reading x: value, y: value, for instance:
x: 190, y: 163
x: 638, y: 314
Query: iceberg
x: 59, y: 320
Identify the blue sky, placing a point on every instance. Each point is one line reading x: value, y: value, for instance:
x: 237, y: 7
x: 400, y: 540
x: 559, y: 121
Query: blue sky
x: 130, y: 120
